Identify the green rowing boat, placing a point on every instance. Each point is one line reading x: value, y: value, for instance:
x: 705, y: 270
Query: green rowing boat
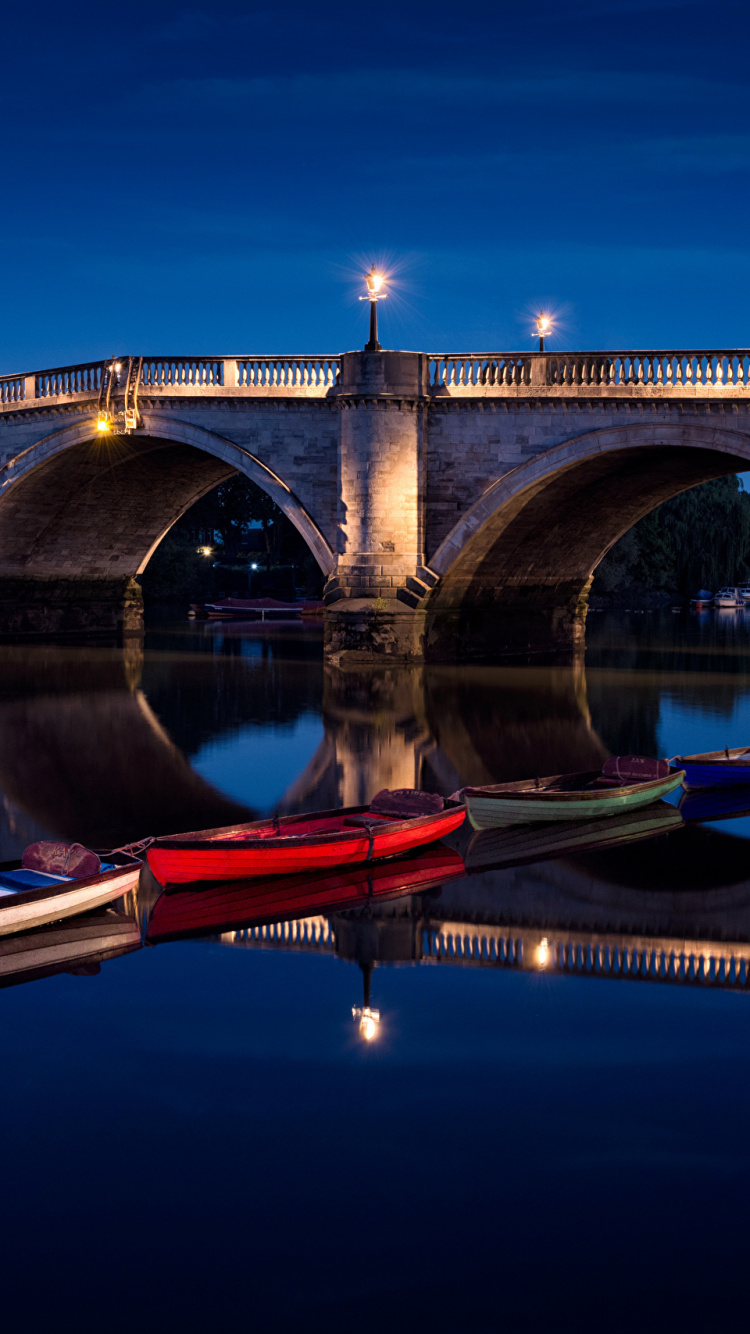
x: 586, y: 796
x: 517, y: 845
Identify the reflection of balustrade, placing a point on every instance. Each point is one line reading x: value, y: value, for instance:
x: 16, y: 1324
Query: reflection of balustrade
x: 658, y: 959
x: 308, y: 933
x: 608, y: 955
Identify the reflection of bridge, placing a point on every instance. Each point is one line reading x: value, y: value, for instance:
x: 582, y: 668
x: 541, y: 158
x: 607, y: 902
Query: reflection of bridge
x: 577, y: 916
x: 96, y: 747
x: 653, y: 959
x: 474, y: 493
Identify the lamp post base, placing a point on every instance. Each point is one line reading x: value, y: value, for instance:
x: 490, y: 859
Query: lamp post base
x: 372, y: 344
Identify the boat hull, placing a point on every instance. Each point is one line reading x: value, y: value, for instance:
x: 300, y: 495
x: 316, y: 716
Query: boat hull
x: 222, y: 854
x: 716, y: 775
x: 23, y: 912
x: 715, y: 768
x: 512, y: 845
x: 490, y: 810
x: 227, y: 907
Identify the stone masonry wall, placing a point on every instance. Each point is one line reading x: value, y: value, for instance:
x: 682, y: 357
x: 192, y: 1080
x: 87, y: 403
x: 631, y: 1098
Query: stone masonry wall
x: 297, y: 439
x: 379, y: 537
x: 472, y: 443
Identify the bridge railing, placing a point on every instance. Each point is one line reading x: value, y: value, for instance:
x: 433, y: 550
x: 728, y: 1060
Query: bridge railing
x: 649, y: 374
x: 709, y: 374
x: 480, y: 370
x: 665, y: 370
x: 307, y: 377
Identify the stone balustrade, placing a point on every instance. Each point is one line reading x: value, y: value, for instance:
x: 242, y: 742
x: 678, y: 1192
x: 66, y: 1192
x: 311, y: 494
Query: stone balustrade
x: 259, y: 377
x: 536, y: 375
x: 657, y: 374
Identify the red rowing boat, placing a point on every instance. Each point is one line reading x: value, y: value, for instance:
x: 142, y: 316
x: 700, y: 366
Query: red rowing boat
x: 231, y: 907
x: 393, y: 823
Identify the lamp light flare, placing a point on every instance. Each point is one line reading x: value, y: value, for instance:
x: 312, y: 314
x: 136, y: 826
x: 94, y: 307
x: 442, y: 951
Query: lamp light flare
x: 102, y: 422
x: 542, y: 952
x: 369, y: 1022
x: 374, y: 282
x: 205, y: 551
x: 543, y: 326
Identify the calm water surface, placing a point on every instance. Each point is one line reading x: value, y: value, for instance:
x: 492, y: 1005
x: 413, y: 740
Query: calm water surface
x: 550, y: 1131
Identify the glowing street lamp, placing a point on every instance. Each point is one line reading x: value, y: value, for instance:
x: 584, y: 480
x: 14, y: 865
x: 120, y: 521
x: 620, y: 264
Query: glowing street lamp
x: 103, y: 422
x: 543, y: 326
x: 205, y: 551
x: 374, y: 282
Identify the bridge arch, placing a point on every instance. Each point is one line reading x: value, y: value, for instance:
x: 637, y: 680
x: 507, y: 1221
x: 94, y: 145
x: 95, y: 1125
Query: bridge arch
x: 78, y: 505
x: 515, y: 568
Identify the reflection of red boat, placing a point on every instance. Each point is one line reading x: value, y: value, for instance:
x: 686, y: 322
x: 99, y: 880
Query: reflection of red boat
x: 262, y: 607
x: 228, y: 907
x: 394, y: 823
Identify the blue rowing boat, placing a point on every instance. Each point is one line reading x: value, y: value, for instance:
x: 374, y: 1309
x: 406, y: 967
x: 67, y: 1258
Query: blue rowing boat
x: 716, y: 768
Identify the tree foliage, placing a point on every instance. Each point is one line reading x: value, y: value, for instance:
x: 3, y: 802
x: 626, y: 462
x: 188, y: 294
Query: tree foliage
x: 221, y: 520
x: 700, y: 539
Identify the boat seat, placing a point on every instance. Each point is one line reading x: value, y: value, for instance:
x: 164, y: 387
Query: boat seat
x: 16, y: 882
x: 406, y: 803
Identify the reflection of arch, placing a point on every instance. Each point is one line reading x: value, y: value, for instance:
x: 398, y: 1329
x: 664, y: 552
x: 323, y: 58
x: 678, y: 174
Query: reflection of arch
x: 77, y: 505
x: 97, y: 766
x: 542, y: 528
x: 439, y: 728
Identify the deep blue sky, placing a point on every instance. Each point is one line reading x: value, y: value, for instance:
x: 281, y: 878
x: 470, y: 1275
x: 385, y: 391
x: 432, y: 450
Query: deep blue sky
x: 186, y: 179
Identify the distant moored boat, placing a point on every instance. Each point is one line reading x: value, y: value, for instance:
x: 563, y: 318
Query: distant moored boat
x: 715, y: 768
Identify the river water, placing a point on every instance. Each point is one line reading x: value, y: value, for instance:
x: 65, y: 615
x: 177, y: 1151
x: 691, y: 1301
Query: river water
x: 549, y: 1130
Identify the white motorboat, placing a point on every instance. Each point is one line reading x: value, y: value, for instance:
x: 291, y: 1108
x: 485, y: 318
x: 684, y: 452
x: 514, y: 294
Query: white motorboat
x: 729, y: 597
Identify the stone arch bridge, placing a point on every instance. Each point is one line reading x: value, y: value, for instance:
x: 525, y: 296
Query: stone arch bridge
x: 456, y: 504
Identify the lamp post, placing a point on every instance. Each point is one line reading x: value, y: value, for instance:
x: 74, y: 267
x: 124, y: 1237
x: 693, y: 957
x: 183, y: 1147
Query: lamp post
x: 543, y: 323
x: 374, y: 282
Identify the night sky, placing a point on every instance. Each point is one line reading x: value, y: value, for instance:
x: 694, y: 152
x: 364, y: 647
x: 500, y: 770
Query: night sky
x: 180, y: 179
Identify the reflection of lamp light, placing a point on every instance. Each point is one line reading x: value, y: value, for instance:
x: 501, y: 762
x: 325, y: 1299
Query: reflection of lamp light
x: 374, y: 282
x: 369, y: 1021
x: 542, y: 952
x: 543, y: 326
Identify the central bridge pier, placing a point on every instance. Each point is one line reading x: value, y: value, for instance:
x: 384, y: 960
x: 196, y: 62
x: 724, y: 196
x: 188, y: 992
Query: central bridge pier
x: 457, y: 504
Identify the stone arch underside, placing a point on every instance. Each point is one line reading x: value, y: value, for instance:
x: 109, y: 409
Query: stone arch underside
x: 81, y: 507
x: 515, y: 569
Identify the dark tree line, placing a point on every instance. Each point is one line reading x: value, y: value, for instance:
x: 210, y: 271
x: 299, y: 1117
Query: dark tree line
x: 700, y: 539
x: 220, y: 523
